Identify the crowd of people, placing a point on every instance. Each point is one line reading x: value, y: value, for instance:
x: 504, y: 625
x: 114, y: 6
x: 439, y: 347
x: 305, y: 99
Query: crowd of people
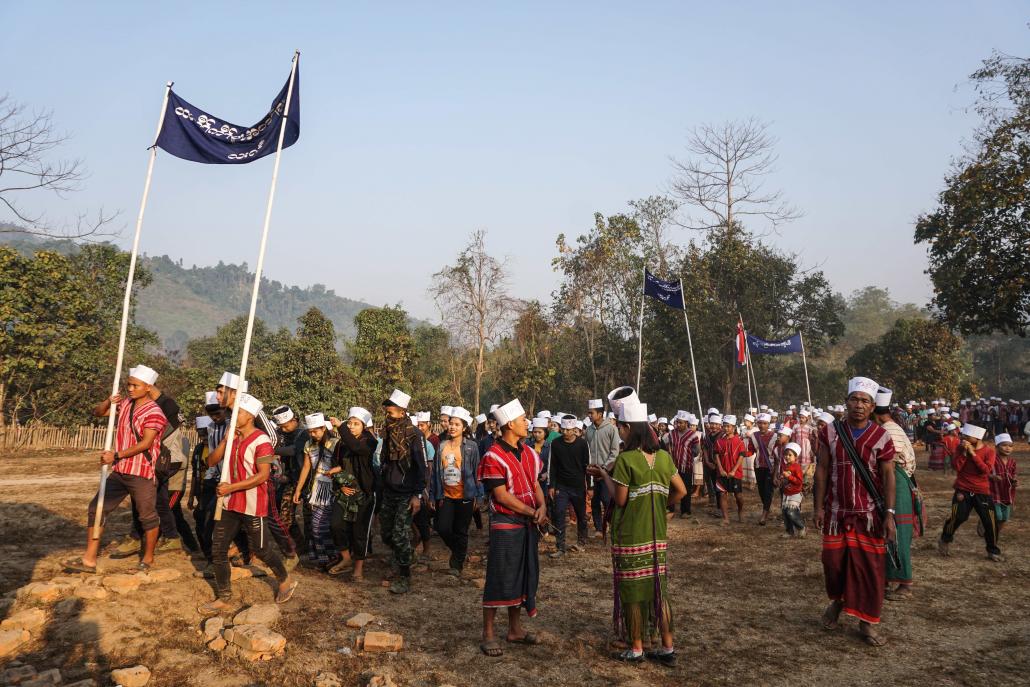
x: 312, y: 489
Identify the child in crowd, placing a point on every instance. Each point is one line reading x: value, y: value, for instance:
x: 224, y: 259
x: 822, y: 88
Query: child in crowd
x: 793, y: 480
x: 1003, y: 479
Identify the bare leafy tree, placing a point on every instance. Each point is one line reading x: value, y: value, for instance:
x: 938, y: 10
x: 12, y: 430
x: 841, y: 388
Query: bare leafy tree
x: 656, y: 217
x: 723, y: 177
x: 473, y: 301
x: 26, y: 141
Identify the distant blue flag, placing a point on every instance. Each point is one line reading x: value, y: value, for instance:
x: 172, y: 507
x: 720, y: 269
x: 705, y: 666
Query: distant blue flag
x: 757, y: 346
x: 668, y: 292
x: 192, y: 134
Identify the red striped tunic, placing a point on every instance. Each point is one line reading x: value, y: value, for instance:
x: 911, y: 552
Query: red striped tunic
x: 146, y: 415
x: 519, y: 473
x: 247, y: 454
x: 845, y: 493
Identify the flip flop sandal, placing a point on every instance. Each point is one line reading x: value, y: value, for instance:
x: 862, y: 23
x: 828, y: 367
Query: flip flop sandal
x: 282, y: 597
x: 79, y: 567
x: 665, y: 658
x: 143, y: 567
x: 628, y: 656
x: 491, y: 648
x: 874, y: 641
x: 529, y: 638
x: 209, y: 611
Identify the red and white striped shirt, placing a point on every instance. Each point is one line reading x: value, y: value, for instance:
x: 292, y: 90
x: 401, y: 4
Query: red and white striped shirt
x: 247, y: 454
x: 845, y: 493
x: 146, y: 415
x: 518, y: 472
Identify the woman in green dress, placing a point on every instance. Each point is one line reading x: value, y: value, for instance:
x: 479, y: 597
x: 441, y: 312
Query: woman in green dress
x: 644, y: 483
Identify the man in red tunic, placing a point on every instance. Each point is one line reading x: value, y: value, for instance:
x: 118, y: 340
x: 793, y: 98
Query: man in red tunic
x: 854, y: 547
x: 509, y: 473
x: 730, y: 452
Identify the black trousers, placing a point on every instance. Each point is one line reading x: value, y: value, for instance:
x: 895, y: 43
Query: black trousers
x: 765, y: 487
x: 563, y: 498
x: 421, y: 521
x: 188, y: 540
x: 711, y: 475
x: 205, y: 532
x: 962, y: 502
x: 354, y: 535
x: 452, y: 523
x: 685, y: 503
x: 230, y: 527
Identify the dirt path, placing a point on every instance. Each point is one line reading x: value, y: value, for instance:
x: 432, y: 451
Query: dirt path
x: 746, y: 605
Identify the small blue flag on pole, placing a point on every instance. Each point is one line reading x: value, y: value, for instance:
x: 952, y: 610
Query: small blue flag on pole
x: 668, y: 292
x: 192, y: 134
x: 759, y: 346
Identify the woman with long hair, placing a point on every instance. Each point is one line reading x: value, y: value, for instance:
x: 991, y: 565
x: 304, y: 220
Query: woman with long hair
x: 454, y: 488
x: 643, y: 484
x: 351, y: 523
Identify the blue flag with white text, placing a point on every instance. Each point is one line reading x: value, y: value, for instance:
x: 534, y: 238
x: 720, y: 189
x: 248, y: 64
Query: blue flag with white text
x: 192, y: 134
x: 757, y: 346
x: 668, y: 292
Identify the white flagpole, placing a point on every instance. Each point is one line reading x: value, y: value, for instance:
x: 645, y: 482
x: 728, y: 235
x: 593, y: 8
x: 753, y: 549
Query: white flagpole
x: 231, y: 431
x: 126, y: 302
x: 693, y: 367
x: 804, y: 361
x: 640, y: 335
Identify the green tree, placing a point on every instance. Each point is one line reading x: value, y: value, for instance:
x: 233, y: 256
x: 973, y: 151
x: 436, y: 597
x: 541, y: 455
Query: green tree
x: 979, y: 234
x: 381, y: 354
x: 524, y: 367
x: 916, y: 358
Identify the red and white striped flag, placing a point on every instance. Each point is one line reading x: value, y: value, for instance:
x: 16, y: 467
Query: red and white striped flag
x: 741, y: 345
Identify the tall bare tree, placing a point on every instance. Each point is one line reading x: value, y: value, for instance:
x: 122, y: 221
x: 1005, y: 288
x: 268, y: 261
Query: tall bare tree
x: 26, y: 141
x: 656, y: 217
x: 723, y: 177
x: 473, y: 301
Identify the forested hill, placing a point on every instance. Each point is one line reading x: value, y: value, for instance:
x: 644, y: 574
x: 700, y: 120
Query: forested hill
x: 183, y: 303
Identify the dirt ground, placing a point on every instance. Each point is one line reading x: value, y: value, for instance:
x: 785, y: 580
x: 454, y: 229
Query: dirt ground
x: 746, y: 606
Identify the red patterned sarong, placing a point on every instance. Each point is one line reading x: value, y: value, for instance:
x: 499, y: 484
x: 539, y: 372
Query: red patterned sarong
x: 854, y: 565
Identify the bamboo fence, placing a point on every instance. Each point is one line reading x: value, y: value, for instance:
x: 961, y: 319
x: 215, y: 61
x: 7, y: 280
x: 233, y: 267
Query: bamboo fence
x: 85, y: 437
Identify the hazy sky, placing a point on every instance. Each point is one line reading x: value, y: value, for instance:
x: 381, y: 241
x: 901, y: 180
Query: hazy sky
x: 422, y: 122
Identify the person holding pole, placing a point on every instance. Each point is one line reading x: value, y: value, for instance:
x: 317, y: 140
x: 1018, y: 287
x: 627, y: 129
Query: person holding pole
x: 137, y: 446
x: 245, y: 506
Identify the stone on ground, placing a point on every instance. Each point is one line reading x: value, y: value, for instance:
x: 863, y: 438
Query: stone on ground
x: 258, y: 614
x: 255, y: 638
x: 43, y: 592
x: 240, y: 573
x: 88, y: 682
x: 381, y: 681
x: 11, y: 640
x: 217, y: 644
x: 31, y: 620
x: 45, y: 679
x: 383, y: 642
x: 17, y: 675
x: 136, y: 676
x: 90, y: 591
x: 359, y: 620
x: 122, y: 584
x: 213, y: 627
x: 327, y: 680
x: 161, y: 575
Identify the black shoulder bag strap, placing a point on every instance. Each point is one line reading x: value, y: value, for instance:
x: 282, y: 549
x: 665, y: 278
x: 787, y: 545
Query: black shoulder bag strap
x: 846, y: 440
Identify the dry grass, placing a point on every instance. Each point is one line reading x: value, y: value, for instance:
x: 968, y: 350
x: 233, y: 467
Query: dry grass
x: 746, y: 606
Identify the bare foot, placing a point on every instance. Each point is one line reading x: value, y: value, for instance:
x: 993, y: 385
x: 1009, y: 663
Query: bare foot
x: 831, y: 615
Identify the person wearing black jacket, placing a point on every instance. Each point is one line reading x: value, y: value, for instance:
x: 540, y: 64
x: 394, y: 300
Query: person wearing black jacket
x: 403, y: 471
x: 569, y: 457
x: 355, y: 483
x: 290, y: 449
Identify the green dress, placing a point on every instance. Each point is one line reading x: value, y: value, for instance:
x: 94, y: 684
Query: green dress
x: 639, y: 545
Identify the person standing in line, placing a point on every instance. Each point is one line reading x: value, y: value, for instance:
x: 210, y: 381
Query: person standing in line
x: 683, y: 443
x: 730, y: 453
x: 318, y: 470
x: 454, y: 489
x: 603, y: 444
x: 355, y: 503
x: 761, y: 446
x: 793, y: 480
x: 1003, y: 480
x: 567, y: 474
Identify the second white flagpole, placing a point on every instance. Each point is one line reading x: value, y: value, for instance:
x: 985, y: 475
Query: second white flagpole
x: 693, y: 367
x: 804, y: 361
x: 126, y: 305
x: 231, y: 431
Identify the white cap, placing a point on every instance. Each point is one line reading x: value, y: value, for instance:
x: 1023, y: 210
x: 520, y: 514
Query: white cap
x: 764, y: 417
x: 579, y: 424
x: 462, y: 414
x: 712, y: 411
x: 681, y: 415
x: 328, y: 425
x: 143, y: 373
x: 595, y: 404
x: 969, y: 430
x: 786, y: 431
x: 283, y: 417
x: 544, y: 414
x: 203, y: 422
x: 663, y: 420
x: 714, y: 419
x: 620, y: 396
x: 793, y: 406
x: 423, y: 416
x: 748, y: 417
x: 250, y: 404
x: 568, y: 423
x: 763, y: 407
x: 481, y: 418
x: 511, y: 410
x: 773, y: 413
x: 652, y: 418
x: 631, y: 412
x: 827, y: 418
x: 1002, y: 438
x: 729, y: 419
x: 446, y: 410
x: 358, y: 413
x: 231, y: 381
x: 863, y: 385
x: 790, y: 413
x: 315, y: 420
x: 796, y: 448
x: 804, y: 413
x: 493, y: 407
x: 691, y: 419
x: 399, y: 399
x: 210, y: 398
x: 540, y: 423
